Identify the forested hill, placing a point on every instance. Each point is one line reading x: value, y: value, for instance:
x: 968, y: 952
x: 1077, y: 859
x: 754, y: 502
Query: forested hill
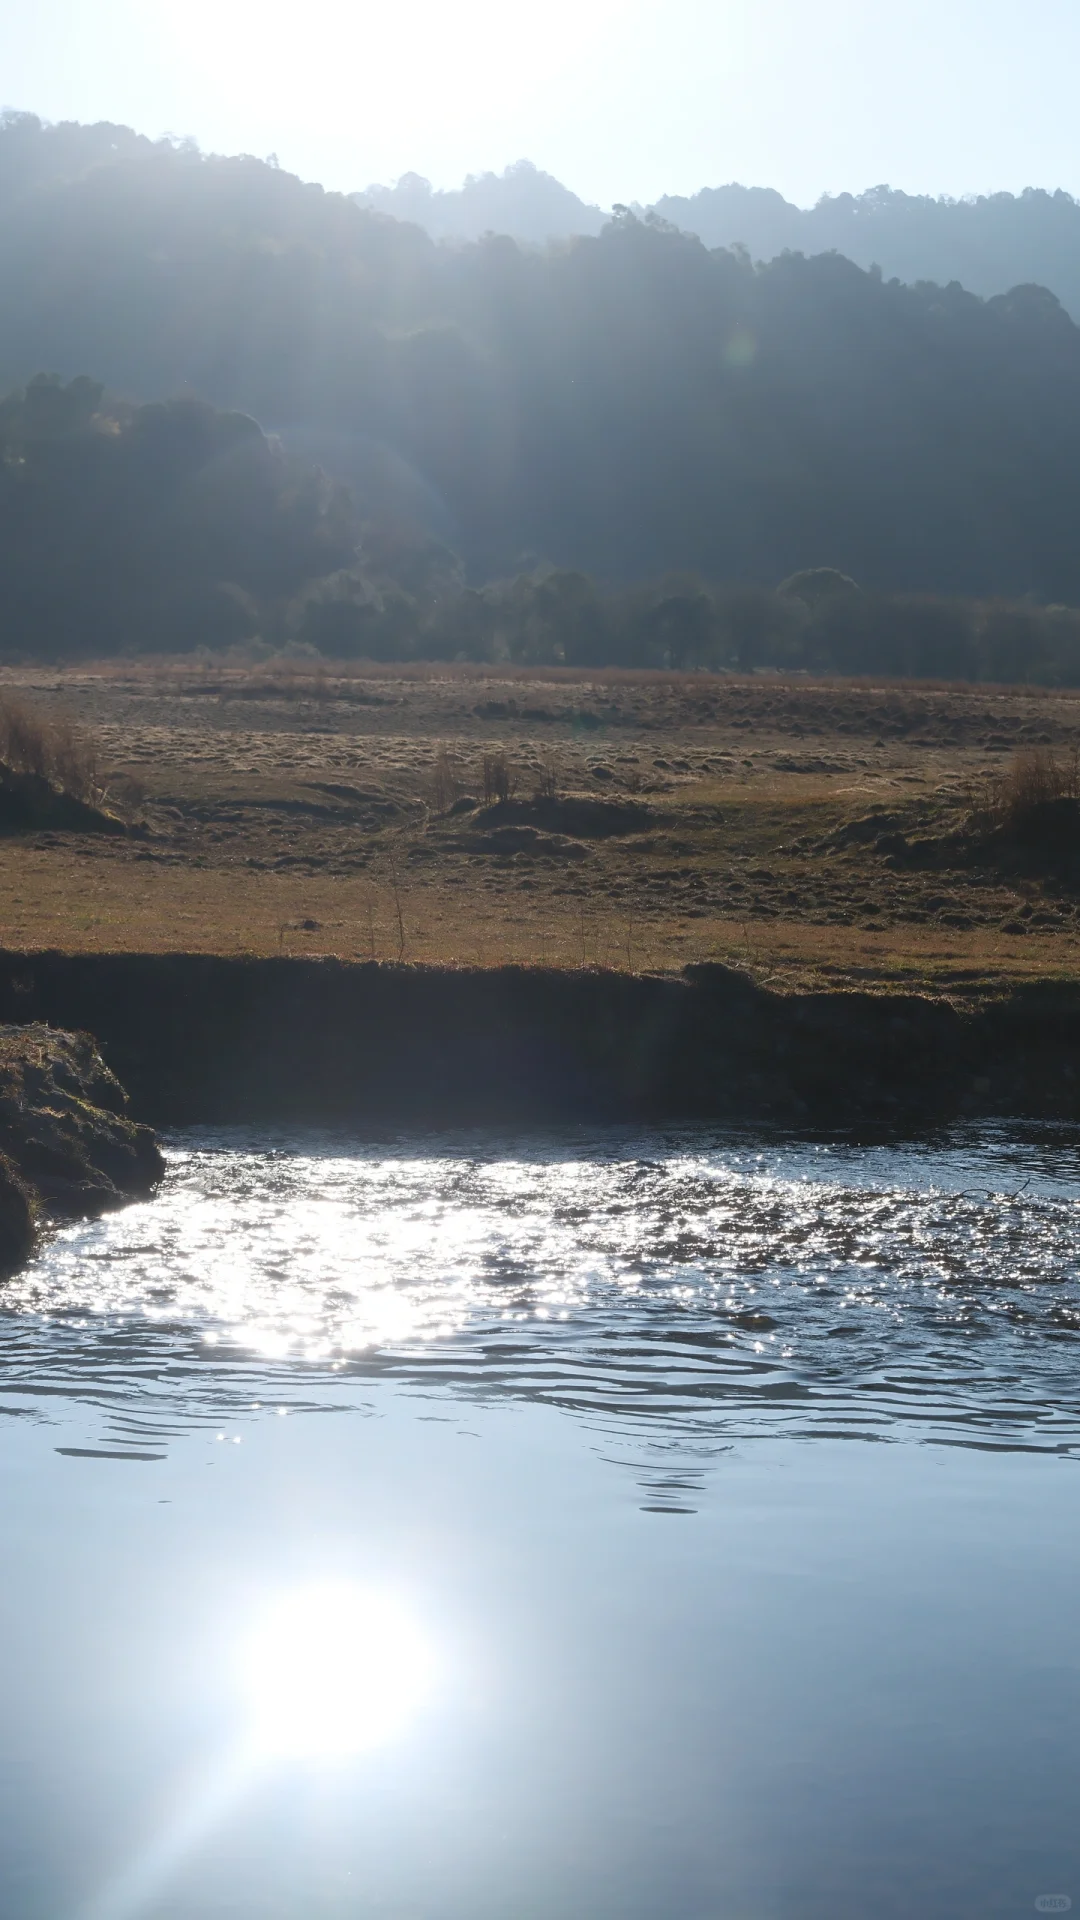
x: 626, y: 404
x: 990, y: 243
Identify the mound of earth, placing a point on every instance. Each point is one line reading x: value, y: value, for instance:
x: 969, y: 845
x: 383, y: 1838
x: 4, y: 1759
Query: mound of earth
x: 577, y: 815
x: 867, y: 830
x: 28, y: 801
x: 1052, y: 825
x: 520, y: 839
x: 1043, y: 839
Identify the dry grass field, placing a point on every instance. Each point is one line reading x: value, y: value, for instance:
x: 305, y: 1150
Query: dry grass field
x: 811, y: 832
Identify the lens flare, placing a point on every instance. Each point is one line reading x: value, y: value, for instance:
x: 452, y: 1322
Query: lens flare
x: 333, y: 1670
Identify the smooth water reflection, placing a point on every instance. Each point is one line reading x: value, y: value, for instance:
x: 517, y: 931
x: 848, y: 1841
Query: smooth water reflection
x: 651, y: 1633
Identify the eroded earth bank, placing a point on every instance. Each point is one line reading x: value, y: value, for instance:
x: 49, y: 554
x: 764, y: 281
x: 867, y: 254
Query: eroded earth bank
x: 200, y: 1039
x: 68, y: 1148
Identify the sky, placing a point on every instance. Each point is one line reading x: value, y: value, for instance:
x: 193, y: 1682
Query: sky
x: 620, y: 99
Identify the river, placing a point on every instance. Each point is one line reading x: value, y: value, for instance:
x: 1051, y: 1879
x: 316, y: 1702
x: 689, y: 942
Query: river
x: 610, y: 1526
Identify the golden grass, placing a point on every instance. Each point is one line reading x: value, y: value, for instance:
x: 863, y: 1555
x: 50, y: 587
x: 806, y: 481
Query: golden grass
x: 234, y: 669
x: 743, y: 793
x: 111, y: 906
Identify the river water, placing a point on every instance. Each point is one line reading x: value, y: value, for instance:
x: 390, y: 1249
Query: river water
x: 617, y: 1526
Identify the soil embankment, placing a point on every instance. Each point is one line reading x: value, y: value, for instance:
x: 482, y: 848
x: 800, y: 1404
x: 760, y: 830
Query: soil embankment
x: 67, y: 1146
x: 196, y: 1038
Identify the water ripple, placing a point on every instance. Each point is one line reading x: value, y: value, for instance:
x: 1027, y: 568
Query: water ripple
x: 678, y: 1291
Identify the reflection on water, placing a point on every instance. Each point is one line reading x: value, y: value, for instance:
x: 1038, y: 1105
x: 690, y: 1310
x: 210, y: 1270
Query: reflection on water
x: 328, y: 1671
x: 678, y: 1291
x: 435, y: 1660
x: 331, y: 1670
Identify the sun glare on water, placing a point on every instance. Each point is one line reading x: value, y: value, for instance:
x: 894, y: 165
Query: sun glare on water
x: 329, y: 1671
x: 333, y: 1670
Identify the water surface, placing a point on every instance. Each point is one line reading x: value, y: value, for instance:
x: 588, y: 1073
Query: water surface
x: 732, y: 1483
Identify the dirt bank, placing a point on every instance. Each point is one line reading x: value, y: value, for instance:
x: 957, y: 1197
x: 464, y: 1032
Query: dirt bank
x: 197, y: 1038
x: 67, y: 1147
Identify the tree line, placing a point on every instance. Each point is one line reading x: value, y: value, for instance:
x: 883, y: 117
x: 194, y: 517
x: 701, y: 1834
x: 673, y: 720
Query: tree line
x: 176, y: 526
x: 818, y: 622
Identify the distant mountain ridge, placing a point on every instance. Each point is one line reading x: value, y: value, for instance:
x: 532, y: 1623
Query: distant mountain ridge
x: 530, y: 205
x: 988, y: 244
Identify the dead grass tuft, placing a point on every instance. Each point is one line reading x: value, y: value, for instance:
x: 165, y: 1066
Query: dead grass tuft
x: 1033, y: 780
x: 50, y: 746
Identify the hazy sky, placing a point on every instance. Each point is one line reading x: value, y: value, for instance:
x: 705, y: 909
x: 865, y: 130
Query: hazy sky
x: 622, y: 99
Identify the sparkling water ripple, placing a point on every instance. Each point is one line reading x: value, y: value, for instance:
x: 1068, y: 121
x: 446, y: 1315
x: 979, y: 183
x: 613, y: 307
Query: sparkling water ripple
x: 680, y: 1291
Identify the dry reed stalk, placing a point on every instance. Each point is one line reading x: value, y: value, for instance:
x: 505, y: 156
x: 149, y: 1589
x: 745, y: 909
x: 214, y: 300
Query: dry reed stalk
x: 396, y: 891
x: 498, y: 777
x: 547, y: 779
x: 445, y: 783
